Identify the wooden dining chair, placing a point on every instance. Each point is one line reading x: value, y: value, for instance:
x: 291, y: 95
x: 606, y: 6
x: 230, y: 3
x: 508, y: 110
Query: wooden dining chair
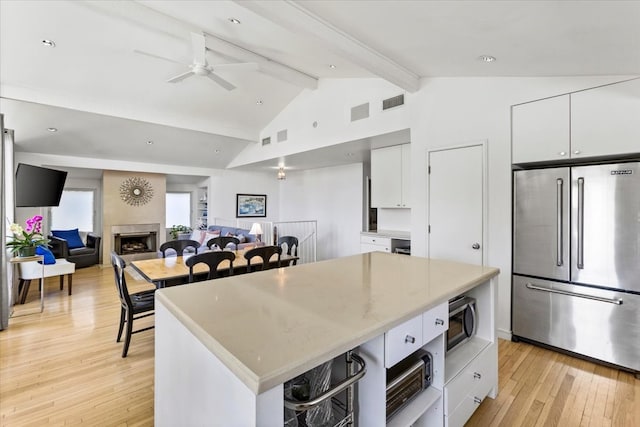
x: 133, y: 306
x: 213, y: 260
x: 291, y: 243
x: 264, y: 252
x: 223, y: 241
x: 179, y: 246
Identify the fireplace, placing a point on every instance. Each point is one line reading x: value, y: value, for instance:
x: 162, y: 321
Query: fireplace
x: 135, y: 241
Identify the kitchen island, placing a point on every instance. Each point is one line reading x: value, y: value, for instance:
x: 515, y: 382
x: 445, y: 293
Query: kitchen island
x: 224, y: 348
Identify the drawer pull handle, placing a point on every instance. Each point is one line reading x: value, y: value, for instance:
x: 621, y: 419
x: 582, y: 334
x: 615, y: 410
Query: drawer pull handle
x: 477, y: 376
x: 477, y: 400
x: 409, y: 339
x: 439, y: 322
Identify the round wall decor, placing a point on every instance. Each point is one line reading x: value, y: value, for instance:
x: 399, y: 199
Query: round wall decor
x: 136, y: 191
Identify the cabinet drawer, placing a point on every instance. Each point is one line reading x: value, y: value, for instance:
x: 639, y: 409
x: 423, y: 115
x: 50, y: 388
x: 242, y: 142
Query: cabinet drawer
x: 435, y: 322
x: 473, y: 383
x: 402, y: 340
x: 462, y: 413
x: 374, y: 240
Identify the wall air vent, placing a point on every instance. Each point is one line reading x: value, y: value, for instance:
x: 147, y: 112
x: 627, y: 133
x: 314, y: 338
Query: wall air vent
x: 396, y: 101
x: 282, y: 135
x: 266, y: 141
x: 360, y: 112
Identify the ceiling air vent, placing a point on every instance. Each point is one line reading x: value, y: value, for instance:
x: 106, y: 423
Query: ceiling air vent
x: 360, y: 112
x: 266, y: 141
x: 396, y: 101
x: 282, y: 135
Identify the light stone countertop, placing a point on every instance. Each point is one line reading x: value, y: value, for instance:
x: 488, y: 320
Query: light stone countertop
x: 268, y: 327
x: 393, y: 234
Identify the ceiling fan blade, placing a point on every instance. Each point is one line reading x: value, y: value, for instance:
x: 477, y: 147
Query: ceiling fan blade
x: 222, y: 82
x: 180, y: 77
x: 249, y: 66
x: 199, y: 48
x: 139, y: 52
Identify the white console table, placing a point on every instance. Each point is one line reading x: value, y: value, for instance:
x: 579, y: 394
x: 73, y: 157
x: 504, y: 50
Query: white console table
x: 225, y: 347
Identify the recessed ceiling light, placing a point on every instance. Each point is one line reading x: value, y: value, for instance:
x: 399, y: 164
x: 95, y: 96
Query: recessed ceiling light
x: 48, y: 43
x: 333, y: 67
x: 52, y: 129
x: 259, y: 102
x: 486, y: 58
x: 149, y: 142
x: 234, y: 20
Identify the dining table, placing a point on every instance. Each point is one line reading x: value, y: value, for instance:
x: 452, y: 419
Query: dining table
x: 160, y: 271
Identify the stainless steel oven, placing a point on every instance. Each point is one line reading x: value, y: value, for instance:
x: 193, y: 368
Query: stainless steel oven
x: 462, y: 321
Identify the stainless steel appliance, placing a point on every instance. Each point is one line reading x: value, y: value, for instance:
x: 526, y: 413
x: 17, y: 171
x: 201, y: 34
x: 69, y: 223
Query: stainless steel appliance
x: 462, y: 321
x: 576, y: 260
x: 407, y: 379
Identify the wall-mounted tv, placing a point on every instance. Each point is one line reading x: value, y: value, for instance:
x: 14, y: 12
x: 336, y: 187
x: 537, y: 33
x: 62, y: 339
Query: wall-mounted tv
x: 37, y: 186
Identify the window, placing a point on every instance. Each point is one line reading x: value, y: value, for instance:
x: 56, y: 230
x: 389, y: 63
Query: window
x: 75, y: 211
x: 178, y: 209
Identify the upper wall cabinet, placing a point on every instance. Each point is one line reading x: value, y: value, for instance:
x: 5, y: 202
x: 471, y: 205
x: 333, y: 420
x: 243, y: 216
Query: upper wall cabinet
x: 603, y: 121
x: 540, y: 130
x: 606, y: 120
x: 390, y: 177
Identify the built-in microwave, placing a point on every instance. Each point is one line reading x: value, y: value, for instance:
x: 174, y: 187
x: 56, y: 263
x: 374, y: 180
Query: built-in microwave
x: 462, y: 321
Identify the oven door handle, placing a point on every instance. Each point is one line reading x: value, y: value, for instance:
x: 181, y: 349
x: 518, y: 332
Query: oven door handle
x: 474, y: 321
x: 573, y: 294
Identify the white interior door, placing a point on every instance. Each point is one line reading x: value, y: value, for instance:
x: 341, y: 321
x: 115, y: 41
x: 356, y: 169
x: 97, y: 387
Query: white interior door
x: 457, y: 203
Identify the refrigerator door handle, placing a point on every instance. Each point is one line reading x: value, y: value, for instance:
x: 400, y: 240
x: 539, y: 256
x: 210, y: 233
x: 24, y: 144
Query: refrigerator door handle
x: 559, y: 230
x: 581, y: 223
x: 573, y: 294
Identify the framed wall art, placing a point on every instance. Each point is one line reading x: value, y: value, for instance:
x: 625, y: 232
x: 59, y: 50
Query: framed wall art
x: 251, y: 205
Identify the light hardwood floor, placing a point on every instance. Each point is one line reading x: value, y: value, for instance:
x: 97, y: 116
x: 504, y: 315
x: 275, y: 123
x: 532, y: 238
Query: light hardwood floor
x: 63, y: 367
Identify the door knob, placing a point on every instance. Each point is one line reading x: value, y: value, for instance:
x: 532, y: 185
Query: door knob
x: 476, y: 246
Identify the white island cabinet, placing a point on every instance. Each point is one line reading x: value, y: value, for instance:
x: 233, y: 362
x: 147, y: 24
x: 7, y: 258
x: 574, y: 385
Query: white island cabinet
x: 225, y: 347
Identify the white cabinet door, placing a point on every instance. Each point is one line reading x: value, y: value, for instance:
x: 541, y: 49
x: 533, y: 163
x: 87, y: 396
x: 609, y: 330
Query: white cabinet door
x: 386, y: 180
x: 540, y: 130
x: 391, y: 177
x: 406, y: 175
x: 456, y: 204
x: 606, y: 120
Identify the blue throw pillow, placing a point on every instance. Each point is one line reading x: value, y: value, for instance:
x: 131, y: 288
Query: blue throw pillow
x: 48, y: 255
x: 71, y: 236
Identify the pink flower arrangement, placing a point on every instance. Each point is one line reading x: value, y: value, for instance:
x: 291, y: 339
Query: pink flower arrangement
x: 28, y: 237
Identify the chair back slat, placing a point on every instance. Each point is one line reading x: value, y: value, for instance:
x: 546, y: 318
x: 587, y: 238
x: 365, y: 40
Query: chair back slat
x: 222, y: 242
x: 291, y: 243
x: 213, y: 260
x: 179, y: 246
x: 121, y: 283
x: 264, y: 252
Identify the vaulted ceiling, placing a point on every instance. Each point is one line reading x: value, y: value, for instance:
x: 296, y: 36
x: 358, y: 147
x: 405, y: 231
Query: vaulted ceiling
x: 108, y: 100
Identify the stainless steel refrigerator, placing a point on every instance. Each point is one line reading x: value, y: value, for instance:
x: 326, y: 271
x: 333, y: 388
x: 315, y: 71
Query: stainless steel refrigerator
x: 576, y: 260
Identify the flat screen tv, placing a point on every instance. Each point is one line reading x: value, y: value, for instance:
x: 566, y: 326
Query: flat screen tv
x: 37, y: 186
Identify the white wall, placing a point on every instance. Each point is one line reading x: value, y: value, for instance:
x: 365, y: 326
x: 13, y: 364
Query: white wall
x: 332, y: 196
x: 225, y: 184
x: 451, y: 111
x: 330, y: 107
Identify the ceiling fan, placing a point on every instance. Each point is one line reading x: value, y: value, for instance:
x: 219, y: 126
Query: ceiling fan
x: 199, y: 66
